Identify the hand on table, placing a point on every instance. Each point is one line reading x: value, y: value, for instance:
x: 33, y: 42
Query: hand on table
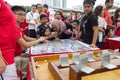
x: 93, y: 46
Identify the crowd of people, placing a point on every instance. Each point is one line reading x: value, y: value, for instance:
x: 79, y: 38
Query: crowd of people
x: 20, y: 30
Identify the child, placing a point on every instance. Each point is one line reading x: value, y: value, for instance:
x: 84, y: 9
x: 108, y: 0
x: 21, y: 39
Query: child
x: 43, y: 26
x: 109, y: 34
x: 76, y: 28
x: 45, y: 10
x: 47, y: 32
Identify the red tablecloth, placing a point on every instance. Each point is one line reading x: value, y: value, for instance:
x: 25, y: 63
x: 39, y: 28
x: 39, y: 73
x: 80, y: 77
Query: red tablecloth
x: 111, y: 44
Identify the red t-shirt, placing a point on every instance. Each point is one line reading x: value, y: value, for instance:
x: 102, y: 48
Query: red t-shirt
x: 24, y: 27
x: 7, y: 32
x: 18, y: 49
x: 107, y: 17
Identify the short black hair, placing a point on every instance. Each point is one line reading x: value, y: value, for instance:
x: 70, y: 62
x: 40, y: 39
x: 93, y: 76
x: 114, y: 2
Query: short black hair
x: 45, y: 6
x: 107, y: 1
x: 38, y: 4
x: 98, y: 10
x: 116, y: 13
x: 59, y: 13
x: 91, y: 2
x: 78, y: 12
x: 33, y: 5
x: 46, y: 29
x: 17, y: 8
x: 43, y: 15
x: 77, y: 21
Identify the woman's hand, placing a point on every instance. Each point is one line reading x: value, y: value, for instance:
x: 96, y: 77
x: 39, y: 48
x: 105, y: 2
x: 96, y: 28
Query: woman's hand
x: 93, y: 46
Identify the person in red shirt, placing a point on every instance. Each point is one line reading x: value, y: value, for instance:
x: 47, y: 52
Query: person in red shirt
x: 45, y: 10
x: 7, y: 42
x: 22, y: 40
x: 107, y: 15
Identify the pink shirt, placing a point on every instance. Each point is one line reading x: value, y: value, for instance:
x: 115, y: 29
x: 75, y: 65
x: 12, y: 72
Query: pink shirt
x: 107, y: 17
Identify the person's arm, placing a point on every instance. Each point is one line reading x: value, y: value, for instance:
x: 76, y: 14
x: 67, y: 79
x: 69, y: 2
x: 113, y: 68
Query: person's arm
x: 111, y: 26
x: 101, y: 29
x: 26, y: 38
x: 79, y: 35
x: 109, y: 22
x: 56, y: 37
x: 36, y: 18
x: 2, y: 64
x: 95, y: 36
x: 28, y: 22
x: 94, y: 24
x: 25, y: 44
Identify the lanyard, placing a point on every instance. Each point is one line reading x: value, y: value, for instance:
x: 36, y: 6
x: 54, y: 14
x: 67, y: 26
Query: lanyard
x: 31, y: 14
x: 84, y: 26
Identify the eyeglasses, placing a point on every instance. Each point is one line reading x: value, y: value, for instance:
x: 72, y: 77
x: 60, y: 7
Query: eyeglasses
x: 21, y: 14
x: 39, y: 7
x: 57, y: 14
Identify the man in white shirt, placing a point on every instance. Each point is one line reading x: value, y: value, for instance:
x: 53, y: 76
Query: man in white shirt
x: 31, y: 22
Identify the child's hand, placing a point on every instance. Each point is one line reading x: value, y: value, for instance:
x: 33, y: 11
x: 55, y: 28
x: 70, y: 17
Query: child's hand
x: 73, y: 39
x: 68, y: 32
x: 56, y: 35
x: 93, y: 46
x: 57, y: 39
x: 46, y: 41
x: 53, y: 34
x: 101, y: 29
